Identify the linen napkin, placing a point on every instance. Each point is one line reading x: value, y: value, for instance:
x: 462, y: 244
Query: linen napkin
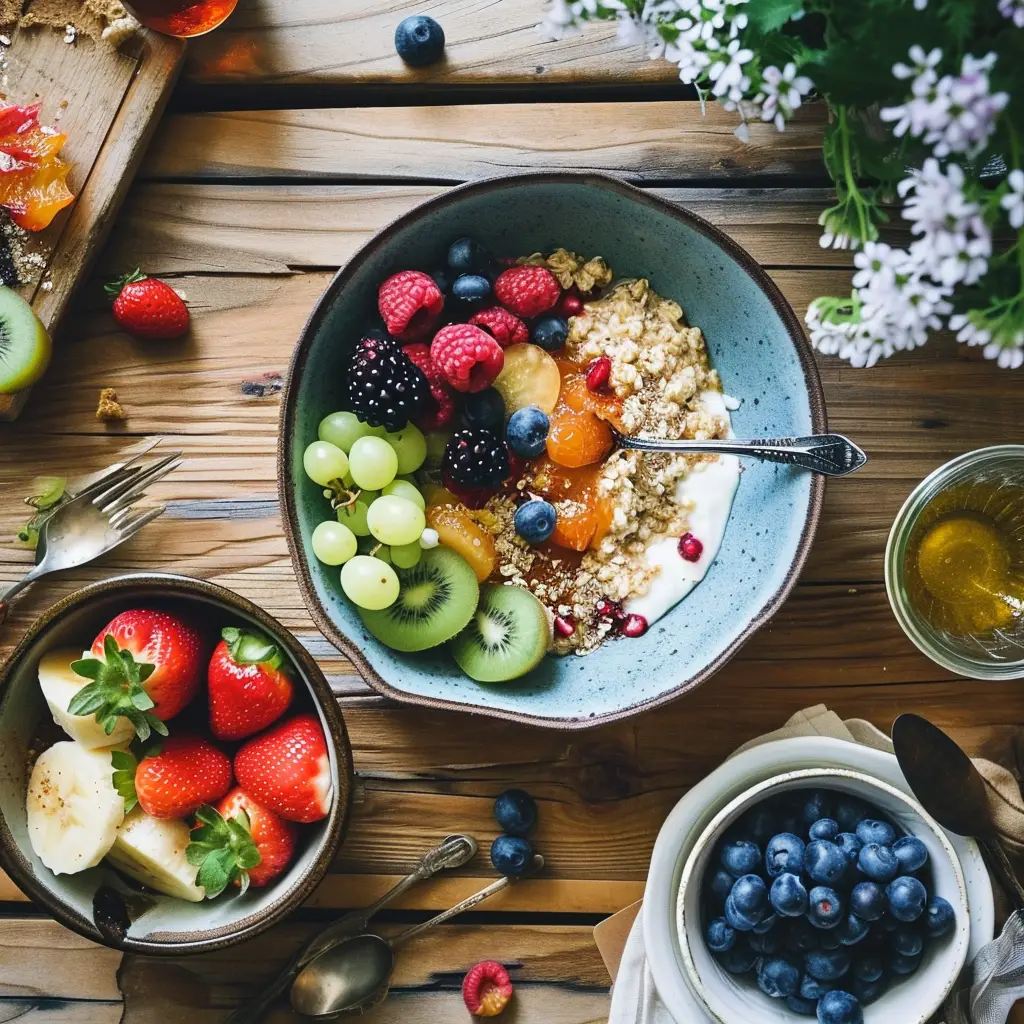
x: 991, y: 985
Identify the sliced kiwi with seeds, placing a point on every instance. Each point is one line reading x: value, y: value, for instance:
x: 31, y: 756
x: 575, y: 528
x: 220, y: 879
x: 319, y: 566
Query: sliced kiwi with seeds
x: 24, y: 344
x: 437, y: 597
x: 508, y: 635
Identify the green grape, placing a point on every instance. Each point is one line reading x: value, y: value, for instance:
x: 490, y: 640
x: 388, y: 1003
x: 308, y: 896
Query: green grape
x: 324, y: 462
x: 369, y: 582
x: 354, y: 517
x: 410, y: 447
x: 333, y: 543
x: 343, y: 429
x: 403, y: 489
x: 437, y: 442
x: 373, y: 463
x: 383, y: 552
x: 395, y: 520
x: 405, y: 556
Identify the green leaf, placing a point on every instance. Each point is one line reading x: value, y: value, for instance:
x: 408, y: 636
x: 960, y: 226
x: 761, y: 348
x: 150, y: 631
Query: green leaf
x: 223, y: 850
x: 90, y: 668
x: 251, y: 648
x: 769, y: 15
x: 116, y: 690
x: 125, y: 766
x: 215, y: 872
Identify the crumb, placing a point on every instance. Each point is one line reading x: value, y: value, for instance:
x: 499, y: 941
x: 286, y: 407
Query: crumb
x: 109, y: 409
x: 70, y: 32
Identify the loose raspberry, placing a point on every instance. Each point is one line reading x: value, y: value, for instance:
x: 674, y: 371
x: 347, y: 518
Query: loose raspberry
x: 442, y: 409
x: 505, y: 328
x: 690, y: 548
x: 487, y: 989
x: 410, y: 303
x: 469, y: 358
x: 527, y: 291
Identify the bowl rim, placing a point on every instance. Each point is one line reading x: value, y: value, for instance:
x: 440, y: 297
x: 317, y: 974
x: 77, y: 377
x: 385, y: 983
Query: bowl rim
x: 289, y: 412
x: 179, y: 587
x: 710, y: 833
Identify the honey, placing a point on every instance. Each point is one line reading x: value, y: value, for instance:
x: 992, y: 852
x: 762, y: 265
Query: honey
x: 964, y: 561
x: 182, y: 18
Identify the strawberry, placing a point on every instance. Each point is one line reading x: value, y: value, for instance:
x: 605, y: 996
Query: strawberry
x: 146, y: 307
x: 249, y: 684
x: 410, y: 304
x: 224, y: 849
x: 527, y: 291
x: 288, y: 770
x: 274, y: 837
x: 175, y: 779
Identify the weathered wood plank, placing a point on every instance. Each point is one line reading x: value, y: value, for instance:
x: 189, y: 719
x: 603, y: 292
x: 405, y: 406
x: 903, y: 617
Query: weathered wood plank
x: 59, y: 1011
x: 660, y: 141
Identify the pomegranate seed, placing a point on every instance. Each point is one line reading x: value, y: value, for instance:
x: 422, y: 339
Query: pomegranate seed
x: 598, y: 373
x: 570, y: 305
x: 635, y: 625
x: 564, y: 625
x: 609, y: 609
x: 690, y: 548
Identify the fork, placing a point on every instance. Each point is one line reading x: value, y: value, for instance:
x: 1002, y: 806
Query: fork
x: 99, y: 518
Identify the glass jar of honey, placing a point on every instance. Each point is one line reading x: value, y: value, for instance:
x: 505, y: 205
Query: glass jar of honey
x: 954, y: 565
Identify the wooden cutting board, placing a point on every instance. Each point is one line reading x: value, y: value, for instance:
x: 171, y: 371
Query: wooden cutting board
x: 108, y: 102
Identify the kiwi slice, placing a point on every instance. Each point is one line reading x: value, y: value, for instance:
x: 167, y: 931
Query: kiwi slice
x: 506, y: 638
x: 437, y: 598
x: 24, y: 344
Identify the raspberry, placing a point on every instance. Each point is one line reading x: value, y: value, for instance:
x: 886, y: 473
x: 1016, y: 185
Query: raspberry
x: 385, y: 389
x: 469, y: 358
x: 505, y: 328
x: 527, y: 291
x: 439, y: 409
x: 410, y: 303
x: 487, y: 989
x: 476, y: 458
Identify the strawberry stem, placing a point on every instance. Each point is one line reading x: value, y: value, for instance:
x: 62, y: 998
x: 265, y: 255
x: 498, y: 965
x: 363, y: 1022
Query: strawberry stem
x: 223, y: 849
x: 114, y: 287
x: 252, y: 648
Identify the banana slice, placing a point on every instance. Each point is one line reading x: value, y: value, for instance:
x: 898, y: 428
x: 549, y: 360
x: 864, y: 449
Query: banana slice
x: 73, y: 809
x: 59, y: 685
x: 152, y: 851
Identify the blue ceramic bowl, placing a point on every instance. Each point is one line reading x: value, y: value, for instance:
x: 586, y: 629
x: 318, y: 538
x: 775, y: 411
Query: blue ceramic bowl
x: 757, y: 345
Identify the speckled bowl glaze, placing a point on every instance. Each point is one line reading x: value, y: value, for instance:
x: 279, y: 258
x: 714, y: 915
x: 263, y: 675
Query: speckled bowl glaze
x: 151, y: 923
x: 755, y: 342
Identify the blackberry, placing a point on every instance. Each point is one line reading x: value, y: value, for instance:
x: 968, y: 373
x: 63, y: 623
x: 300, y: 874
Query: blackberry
x: 476, y: 457
x: 385, y: 387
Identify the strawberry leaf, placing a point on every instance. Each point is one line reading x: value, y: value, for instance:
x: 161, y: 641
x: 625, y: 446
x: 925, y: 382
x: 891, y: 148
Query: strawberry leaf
x: 123, y: 778
x: 114, y: 287
x: 252, y: 648
x: 223, y: 850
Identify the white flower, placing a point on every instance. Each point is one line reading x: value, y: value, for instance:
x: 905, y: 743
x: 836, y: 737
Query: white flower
x: 924, y: 64
x: 1013, y: 9
x: 782, y: 92
x: 967, y: 331
x: 727, y: 71
x: 691, y: 61
x: 1007, y: 358
x: 1013, y: 201
x: 920, y: 5
x: 561, y: 22
x: 971, y: 109
x: 877, y: 265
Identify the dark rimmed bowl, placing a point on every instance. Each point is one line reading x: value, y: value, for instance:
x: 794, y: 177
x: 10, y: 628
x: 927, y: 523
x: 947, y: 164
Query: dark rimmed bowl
x: 756, y: 343
x: 123, y: 916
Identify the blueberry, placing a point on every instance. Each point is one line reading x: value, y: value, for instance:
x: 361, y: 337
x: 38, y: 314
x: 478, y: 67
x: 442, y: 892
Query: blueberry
x: 767, y: 923
x: 871, y: 830
x: 816, y: 804
x: 788, y: 895
x: 750, y: 896
x: 838, y: 1007
x: 826, y: 908
x: 852, y: 930
x: 800, y: 1005
x: 829, y: 939
x: 865, y: 991
x: 468, y: 256
x: 849, y: 811
x: 868, y: 900
x: 740, y: 857
x: 900, y: 964
x: 868, y: 967
x: 824, y: 828
x: 511, y: 855
x: 484, y: 409
x: 737, y: 960
x: 879, y: 863
x: 527, y: 431
x: 759, y: 823
x: 940, y: 918
x: 906, y: 940
x: 785, y: 852
x: 515, y: 812
x: 769, y: 944
x: 535, y: 520
x: 907, y: 898
x: 419, y: 41
x: 777, y: 978
x: 813, y: 988
x: 850, y: 845
x: 827, y: 965
x: 471, y: 289
x: 549, y: 332
x: 721, y: 885
x: 801, y: 936
x: 824, y: 862
x: 720, y: 936
x: 443, y: 278
x: 911, y: 853
x: 886, y: 924
x: 737, y: 919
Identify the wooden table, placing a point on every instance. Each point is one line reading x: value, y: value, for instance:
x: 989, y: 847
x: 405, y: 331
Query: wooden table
x: 296, y: 133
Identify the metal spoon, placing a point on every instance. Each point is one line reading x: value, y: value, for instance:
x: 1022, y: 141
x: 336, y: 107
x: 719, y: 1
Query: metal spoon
x: 952, y: 791
x: 454, y: 852
x: 355, y: 976
x: 830, y: 454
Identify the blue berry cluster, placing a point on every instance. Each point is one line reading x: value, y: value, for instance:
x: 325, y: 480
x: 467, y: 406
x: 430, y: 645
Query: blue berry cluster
x: 823, y: 901
x: 516, y: 812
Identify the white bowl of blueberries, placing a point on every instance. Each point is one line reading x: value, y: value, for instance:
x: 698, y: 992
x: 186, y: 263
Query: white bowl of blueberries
x: 823, y: 894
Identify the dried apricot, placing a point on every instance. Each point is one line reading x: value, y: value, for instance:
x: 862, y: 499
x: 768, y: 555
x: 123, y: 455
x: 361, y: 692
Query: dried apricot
x: 459, y: 531
x: 578, y: 438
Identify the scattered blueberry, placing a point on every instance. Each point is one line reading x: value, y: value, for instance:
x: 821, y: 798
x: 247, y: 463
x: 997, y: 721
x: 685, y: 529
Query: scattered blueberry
x: 468, y: 256
x: 785, y: 852
x: 906, y: 940
x: 419, y: 41
x: 850, y: 845
x: 849, y: 811
x: 549, y: 332
x: 750, y: 896
x: 721, y: 884
x: 484, y: 409
x: 868, y: 901
x: 940, y: 918
x: 907, y: 898
x: 535, y: 520
x: 527, y: 431
x: 879, y: 863
x: 817, y: 804
x: 740, y: 857
x: 471, y: 289
x: 827, y: 965
x: 824, y: 862
x: 788, y: 895
x: 778, y: 978
x: 739, y: 959
x: 838, y: 1007
x: 813, y: 988
x: 736, y: 918
x: 720, y: 936
x: 824, y: 828
x: 900, y: 964
x: 911, y: 853
x: 852, y: 930
x: 799, y: 1005
x: 868, y: 967
x: 511, y: 855
x: 870, y: 830
x: 826, y: 908
x: 516, y: 812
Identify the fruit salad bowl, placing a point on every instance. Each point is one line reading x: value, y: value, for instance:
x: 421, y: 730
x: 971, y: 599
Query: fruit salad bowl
x: 753, y: 340
x: 59, y: 788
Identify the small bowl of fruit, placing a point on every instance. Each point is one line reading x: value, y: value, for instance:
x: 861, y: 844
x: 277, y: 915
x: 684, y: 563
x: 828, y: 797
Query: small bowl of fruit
x: 175, y: 774
x: 822, y: 895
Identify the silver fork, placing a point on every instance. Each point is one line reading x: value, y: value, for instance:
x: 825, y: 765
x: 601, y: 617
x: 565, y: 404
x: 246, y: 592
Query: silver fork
x: 96, y: 520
